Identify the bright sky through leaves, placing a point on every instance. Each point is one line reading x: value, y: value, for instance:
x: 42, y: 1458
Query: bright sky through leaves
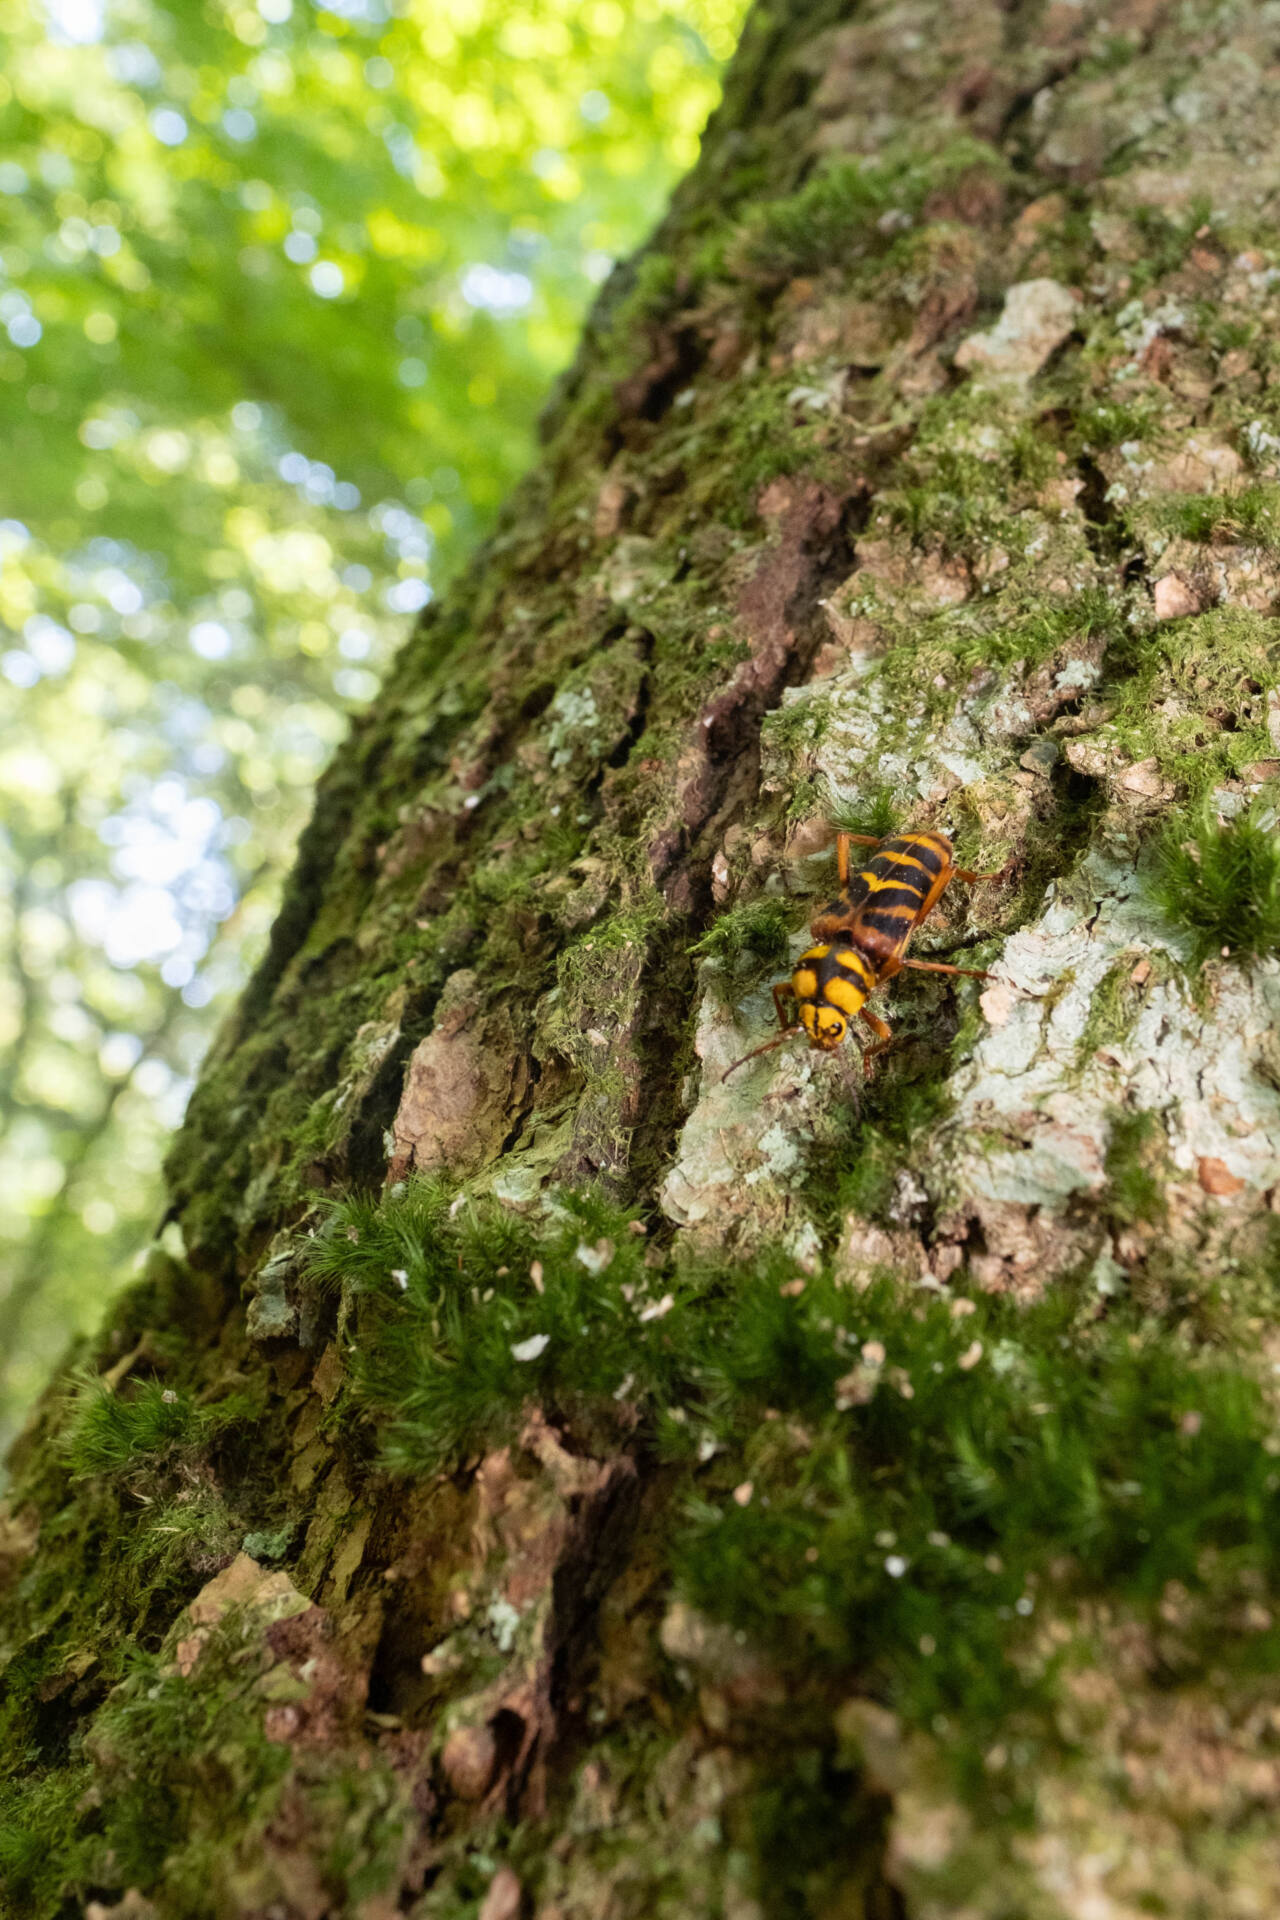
x: 282, y: 288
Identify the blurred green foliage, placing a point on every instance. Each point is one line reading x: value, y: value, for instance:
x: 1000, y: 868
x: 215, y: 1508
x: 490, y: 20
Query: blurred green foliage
x: 282, y: 287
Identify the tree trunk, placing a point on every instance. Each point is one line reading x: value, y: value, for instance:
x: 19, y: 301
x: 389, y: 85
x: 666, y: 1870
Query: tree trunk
x: 826, y: 1490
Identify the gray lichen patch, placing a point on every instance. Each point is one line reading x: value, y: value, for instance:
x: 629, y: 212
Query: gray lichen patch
x: 751, y: 1136
x: 271, y: 1313
x: 865, y: 731
x: 635, y: 570
x: 1091, y: 1015
x: 855, y: 744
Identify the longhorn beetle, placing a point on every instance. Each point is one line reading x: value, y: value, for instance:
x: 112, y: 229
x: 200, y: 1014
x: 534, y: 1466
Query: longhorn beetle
x: 861, y: 939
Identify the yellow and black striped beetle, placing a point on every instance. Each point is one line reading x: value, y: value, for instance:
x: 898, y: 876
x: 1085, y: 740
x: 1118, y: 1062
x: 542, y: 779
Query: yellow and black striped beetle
x: 860, y: 940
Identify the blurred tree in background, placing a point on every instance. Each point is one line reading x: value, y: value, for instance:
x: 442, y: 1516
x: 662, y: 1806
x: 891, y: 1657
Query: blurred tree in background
x: 282, y: 287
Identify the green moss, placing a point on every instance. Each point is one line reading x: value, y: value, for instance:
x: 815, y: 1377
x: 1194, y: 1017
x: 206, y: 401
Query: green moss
x: 1230, y: 332
x: 1166, y: 239
x: 315, y: 1134
x: 759, y: 928
x: 877, y: 811
x: 900, y: 1498
x: 630, y: 927
x: 173, y: 1787
x: 975, y: 470
x: 653, y: 294
x: 905, y: 1095
x: 1113, y: 1008
x: 111, y: 1431
x: 934, y: 657
x: 904, y: 1538
x: 1252, y: 515
x: 753, y: 438
x: 170, y: 1744
x: 1110, y: 55
x: 38, y: 1821
x: 510, y: 876
x: 1038, y: 632
x: 363, y: 1811
x: 897, y: 1502
x: 959, y: 499
x: 458, y: 1332
x: 1220, y: 882
x: 925, y: 1481
x: 1191, y: 694
x: 814, y: 1839
x: 143, y: 1422
x: 193, y: 1531
x: 1108, y: 423
x: 833, y: 220
x: 164, y: 1757
x: 1135, y: 1175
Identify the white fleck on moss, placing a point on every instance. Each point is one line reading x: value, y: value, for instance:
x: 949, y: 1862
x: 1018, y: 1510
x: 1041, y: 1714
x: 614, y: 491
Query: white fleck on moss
x: 504, y: 1624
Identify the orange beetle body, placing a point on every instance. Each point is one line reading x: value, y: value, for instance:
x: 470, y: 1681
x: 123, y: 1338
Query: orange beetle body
x: 860, y: 939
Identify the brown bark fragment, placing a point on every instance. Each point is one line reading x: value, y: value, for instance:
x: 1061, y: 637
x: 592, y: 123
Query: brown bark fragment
x: 1174, y: 599
x: 1216, y: 1177
x: 464, y: 1085
x: 1038, y: 316
x: 468, y: 1759
x: 503, y: 1898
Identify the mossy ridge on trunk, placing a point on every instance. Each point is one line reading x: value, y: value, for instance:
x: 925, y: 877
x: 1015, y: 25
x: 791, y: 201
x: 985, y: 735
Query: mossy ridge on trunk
x: 922, y: 469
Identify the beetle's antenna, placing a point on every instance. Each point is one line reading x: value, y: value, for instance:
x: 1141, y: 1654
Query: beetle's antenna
x: 768, y: 1047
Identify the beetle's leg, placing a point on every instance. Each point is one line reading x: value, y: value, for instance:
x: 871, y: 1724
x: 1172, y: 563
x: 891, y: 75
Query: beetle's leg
x: 780, y: 993
x: 939, y: 887
x: 843, y: 843
x: 883, y: 1032
x: 940, y: 966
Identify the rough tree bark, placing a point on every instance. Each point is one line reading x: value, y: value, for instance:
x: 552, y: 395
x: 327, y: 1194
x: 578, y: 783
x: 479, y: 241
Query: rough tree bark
x: 878, y: 491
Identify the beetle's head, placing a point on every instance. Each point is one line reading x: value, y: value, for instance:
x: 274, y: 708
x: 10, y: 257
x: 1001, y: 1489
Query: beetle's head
x: 825, y: 1026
